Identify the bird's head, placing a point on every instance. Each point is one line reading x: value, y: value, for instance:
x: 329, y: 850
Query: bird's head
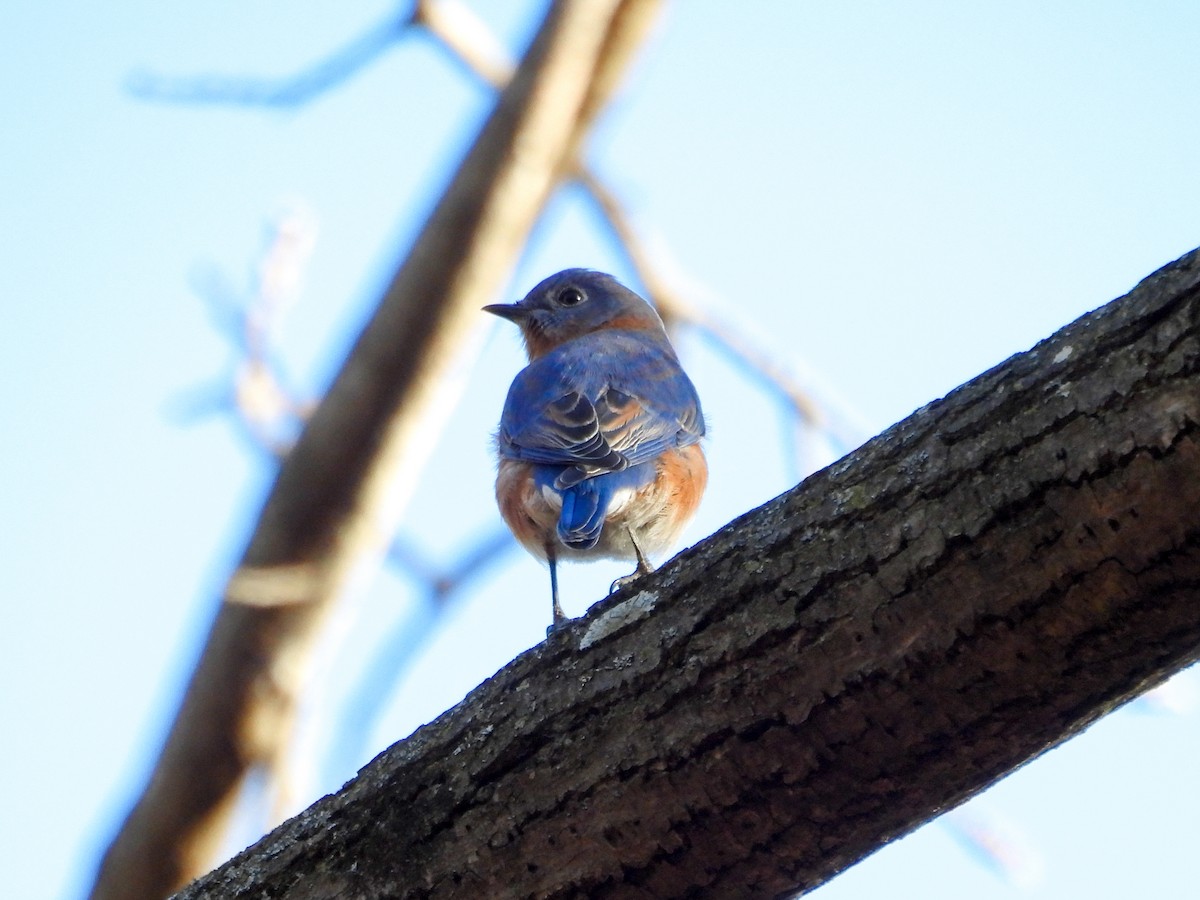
x: 573, y: 303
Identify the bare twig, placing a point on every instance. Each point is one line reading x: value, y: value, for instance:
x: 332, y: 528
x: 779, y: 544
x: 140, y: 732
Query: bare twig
x: 268, y: 411
x: 442, y: 586
x: 722, y: 333
x: 452, y: 25
x: 1003, y: 848
x: 443, y: 581
x: 295, y: 91
x: 455, y: 27
x: 339, y: 494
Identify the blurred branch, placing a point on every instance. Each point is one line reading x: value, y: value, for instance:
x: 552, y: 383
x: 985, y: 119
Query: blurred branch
x: 724, y: 334
x: 976, y: 585
x: 337, y: 498
x: 997, y: 845
x: 456, y: 28
x: 441, y: 585
x: 443, y: 581
x: 453, y: 25
x: 674, y: 306
x: 243, y: 91
x: 268, y: 411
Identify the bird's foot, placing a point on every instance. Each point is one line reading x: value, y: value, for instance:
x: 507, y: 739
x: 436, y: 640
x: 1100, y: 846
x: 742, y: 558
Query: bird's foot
x: 560, y: 619
x: 625, y: 581
x: 643, y: 568
x: 556, y: 626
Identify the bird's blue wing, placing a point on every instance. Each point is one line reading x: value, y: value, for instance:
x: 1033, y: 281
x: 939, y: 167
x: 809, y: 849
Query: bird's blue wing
x: 602, y: 405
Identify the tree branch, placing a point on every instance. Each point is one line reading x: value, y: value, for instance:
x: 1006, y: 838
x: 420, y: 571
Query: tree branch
x: 337, y: 499
x: 962, y: 593
x: 741, y: 348
x: 292, y: 92
x: 457, y: 29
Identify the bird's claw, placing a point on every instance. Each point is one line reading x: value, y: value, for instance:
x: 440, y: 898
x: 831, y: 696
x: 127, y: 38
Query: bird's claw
x: 625, y: 581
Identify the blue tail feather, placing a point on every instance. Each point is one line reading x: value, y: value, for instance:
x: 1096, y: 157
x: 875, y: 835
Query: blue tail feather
x: 582, y: 516
x: 585, y: 504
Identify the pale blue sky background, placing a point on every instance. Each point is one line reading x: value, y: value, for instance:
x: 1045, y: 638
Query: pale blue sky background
x: 894, y: 196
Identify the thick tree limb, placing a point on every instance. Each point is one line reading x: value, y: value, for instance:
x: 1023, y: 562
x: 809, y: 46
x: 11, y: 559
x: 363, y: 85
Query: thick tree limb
x: 962, y: 593
x: 337, y: 498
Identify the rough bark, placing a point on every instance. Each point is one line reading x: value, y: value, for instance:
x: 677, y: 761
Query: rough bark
x: 338, y: 496
x: 962, y: 593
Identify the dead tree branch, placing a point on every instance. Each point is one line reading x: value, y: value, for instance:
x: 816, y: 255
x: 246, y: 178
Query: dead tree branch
x: 337, y: 499
x: 959, y: 595
x: 452, y: 25
x: 466, y: 38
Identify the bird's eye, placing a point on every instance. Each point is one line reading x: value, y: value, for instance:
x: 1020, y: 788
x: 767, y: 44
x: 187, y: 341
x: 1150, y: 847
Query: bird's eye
x: 570, y: 297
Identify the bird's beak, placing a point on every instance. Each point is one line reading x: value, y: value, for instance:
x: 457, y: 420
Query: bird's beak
x: 510, y: 311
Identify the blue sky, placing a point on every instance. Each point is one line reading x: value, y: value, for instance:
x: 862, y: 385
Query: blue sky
x: 891, y: 197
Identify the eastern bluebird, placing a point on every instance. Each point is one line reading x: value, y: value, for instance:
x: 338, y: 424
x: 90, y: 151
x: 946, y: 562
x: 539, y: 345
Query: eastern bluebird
x: 599, y: 442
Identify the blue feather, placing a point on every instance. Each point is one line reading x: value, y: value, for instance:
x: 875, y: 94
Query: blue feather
x: 585, y: 504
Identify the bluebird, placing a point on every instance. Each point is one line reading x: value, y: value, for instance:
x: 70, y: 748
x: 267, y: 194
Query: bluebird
x: 599, y: 442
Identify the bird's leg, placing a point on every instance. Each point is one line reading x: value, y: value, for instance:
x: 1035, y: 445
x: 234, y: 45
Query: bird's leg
x: 559, y: 617
x: 643, y: 567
